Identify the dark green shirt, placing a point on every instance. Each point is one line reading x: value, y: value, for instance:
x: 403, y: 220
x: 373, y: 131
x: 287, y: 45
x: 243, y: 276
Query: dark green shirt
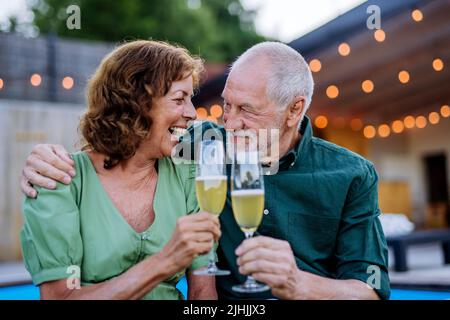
x: 324, y: 202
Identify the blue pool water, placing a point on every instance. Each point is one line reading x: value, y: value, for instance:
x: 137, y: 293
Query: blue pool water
x: 22, y: 292
x: 30, y: 292
x: 402, y: 294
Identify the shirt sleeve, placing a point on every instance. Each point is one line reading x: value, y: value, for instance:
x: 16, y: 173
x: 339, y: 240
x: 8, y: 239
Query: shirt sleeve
x: 50, y: 237
x: 361, y: 250
x: 193, y: 207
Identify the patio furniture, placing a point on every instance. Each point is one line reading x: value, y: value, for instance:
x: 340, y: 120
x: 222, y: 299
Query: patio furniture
x: 400, y: 245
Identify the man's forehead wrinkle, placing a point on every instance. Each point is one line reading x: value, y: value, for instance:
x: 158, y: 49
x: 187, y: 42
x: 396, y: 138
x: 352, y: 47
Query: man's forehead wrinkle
x: 240, y: 96
x: 247, y: 79
x: 256, y: 70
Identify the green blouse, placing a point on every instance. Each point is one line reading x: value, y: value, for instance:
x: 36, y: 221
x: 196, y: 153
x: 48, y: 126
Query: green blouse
x: 78, y: 225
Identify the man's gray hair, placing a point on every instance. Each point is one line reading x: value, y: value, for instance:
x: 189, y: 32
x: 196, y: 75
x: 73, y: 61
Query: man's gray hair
x: 289, y: 74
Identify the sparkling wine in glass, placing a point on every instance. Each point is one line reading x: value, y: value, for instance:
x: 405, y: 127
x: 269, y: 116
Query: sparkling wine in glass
x: 247, y: 196
x: 211, y: 189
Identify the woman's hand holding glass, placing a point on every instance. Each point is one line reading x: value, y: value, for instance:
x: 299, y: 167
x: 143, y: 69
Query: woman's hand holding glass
x: 193, y: 236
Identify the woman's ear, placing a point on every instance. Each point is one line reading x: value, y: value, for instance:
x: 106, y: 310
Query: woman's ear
x: 295, y: 111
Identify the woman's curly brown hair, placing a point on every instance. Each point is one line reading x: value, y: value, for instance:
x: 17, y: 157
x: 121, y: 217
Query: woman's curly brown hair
x: 119, y: 95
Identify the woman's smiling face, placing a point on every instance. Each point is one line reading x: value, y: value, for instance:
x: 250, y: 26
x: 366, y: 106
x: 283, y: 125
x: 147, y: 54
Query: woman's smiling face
x: 170, y: 116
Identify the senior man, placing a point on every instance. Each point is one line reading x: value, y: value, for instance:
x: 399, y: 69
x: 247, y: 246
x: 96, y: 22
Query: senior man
x: 320, y: 237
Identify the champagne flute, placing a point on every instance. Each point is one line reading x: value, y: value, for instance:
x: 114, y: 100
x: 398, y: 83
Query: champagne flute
x: 247, y: 198
x: 211, y: 189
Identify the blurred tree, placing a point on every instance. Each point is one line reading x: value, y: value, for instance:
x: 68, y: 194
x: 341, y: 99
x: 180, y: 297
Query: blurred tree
x: 13, y: 23
x: 218, y: 30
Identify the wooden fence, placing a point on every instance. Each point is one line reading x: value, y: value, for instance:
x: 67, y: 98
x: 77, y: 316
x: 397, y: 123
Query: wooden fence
x: 24, y: 124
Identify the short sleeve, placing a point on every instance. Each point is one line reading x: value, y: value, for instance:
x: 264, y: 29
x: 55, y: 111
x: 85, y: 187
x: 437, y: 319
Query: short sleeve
x: 361, y: 249
x: 50, y: 237
x: 193, y: 207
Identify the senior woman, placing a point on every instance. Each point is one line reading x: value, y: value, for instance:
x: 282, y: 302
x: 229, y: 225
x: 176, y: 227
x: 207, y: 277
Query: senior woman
x: 125, y: 220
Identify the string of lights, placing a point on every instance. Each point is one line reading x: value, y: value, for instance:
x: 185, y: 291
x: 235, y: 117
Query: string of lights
x: 385, y: 130
x: 332, y: 92
x: 36, y: 79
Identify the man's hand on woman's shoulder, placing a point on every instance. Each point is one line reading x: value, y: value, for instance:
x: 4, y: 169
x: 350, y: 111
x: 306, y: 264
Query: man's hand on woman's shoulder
x: 46, y: 165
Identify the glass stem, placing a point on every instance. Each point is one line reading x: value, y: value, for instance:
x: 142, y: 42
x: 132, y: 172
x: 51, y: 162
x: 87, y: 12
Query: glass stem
x: 212, y: 261
x: 249, y: 282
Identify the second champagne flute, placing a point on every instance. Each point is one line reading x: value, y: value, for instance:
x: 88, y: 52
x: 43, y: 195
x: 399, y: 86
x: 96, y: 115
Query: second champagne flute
x: 247, y: 198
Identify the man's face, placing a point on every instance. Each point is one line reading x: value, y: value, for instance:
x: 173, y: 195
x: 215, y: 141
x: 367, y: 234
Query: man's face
x: 246, y: 106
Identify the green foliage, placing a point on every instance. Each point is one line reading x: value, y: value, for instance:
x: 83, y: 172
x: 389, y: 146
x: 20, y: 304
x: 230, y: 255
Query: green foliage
x: 218, y: 30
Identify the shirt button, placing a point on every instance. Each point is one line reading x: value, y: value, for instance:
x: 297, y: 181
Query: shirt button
x: 144, y: 237
x: 292, y: 164
x: 266, y: 212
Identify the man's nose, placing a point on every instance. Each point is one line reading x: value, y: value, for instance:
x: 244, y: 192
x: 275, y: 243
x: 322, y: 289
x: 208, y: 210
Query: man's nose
x: 233, y: 121
x: 189, y: 111
x: 234, y: 124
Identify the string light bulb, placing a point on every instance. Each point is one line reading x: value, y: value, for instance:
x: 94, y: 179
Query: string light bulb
x: 321, y: 122
x: 332, y: 92
x: 367, y: 86
x: 384, y: 130
x: 409, y: 122
x: 216, y: 111
x: 202, y: 113
x: 35, y: 80
x: 379, y: 35
x: 403, y: 76
x: 344, y: 49
x: 398, y: 126
x: 433, y: 117
x: 421, y: 122
x: 315, y: 65
x: 417, y: 15
x: 67, y: 83
x: 369, y: 132
x: 438, y: 64
x: 445, y: 111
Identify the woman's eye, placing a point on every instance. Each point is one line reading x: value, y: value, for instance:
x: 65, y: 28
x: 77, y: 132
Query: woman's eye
x: 179, y: 101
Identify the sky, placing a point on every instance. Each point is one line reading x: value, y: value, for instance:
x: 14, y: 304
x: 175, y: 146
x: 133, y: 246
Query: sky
x: 287, y: 20
x: 8, y: 7
x: 284, y: 20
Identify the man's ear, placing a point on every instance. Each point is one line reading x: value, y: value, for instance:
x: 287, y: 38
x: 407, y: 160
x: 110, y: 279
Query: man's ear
x: 295, y: 111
